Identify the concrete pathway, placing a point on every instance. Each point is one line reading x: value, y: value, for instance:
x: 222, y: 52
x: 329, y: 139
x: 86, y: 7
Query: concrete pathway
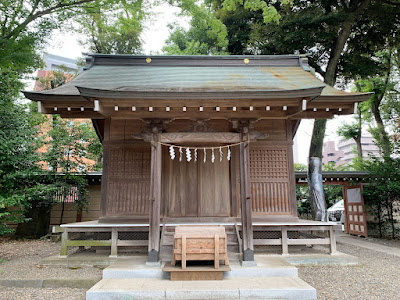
x: 357, y: 241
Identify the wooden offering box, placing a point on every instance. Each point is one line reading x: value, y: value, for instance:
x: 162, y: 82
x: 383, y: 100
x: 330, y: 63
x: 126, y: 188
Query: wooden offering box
x: 200, y: 243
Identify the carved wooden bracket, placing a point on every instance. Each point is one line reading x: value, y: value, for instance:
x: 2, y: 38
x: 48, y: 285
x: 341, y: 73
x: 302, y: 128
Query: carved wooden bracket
x: 144, y: 135
x: 255, y: 136
x: 240, y: 124
x: 157, y: 125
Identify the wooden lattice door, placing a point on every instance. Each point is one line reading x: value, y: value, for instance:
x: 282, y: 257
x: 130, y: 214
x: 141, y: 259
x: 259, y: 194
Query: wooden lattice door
x: 269, y: 180
x: 355, y: 212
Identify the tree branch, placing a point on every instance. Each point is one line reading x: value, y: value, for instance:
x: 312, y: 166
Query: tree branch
x: 390, y: 2
x: 317, y: 68
x: 344, y: 4
x: 34, y: 16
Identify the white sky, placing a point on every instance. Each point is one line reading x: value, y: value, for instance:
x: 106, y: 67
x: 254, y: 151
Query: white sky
x: 154, y: 35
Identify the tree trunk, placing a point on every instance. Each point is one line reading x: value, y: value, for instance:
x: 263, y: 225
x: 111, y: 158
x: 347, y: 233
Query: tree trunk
x: 359, y: 134
x: 318, y: 207
x: 380, y: 219
x: 384, y: 138
x: 359, y: 148
x: 318, y: 134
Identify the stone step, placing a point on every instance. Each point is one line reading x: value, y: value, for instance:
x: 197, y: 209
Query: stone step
x: 232, y: 288
x: 267, y: 266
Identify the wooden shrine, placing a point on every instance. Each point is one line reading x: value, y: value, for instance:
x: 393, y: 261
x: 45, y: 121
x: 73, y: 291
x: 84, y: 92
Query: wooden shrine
x: 205, y: 139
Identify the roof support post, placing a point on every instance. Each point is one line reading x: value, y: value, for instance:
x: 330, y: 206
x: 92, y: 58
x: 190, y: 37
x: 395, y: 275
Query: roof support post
x: 245, y: 197
x: 155, y: 197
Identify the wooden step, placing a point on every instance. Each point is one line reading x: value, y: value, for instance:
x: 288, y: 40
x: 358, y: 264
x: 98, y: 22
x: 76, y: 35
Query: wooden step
x: 195, y: 272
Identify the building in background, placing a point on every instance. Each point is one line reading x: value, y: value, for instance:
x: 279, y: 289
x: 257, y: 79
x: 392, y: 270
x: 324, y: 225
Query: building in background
x: 331, y: 154
x: 347, y: 150
x: 349, y: 147
x: 55, y: 63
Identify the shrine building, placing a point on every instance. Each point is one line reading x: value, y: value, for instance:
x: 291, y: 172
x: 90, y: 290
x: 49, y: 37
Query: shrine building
x: 198, y: 140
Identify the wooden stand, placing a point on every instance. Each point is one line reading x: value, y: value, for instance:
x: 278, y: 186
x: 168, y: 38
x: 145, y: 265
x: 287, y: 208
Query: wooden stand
x: 200, y: 243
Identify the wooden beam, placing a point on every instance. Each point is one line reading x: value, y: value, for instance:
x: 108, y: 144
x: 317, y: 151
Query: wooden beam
x: 245, y: 197
x: 196, y: 103
x: 194, y: 113
x: 200, y: 137
x: 155, y: 197
x: 41, y: 108
x: 99, y: 107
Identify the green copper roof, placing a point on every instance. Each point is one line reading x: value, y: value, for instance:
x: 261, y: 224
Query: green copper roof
x: 261, y: 76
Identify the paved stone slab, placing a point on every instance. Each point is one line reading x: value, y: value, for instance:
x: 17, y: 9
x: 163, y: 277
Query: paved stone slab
x: 267, y: 266
x: 321, y: 259
x: 133, y: 267
x: 232, y: 288
x: 354, y: 241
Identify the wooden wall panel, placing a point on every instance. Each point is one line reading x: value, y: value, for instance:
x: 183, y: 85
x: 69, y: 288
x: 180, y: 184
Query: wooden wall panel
x: 276, y: 129
x: 214, y: 187
x: 128, y: 181
x: 180, y: 187
x: 269, y: 179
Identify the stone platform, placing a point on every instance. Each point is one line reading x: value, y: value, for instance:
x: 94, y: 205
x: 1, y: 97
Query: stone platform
x: 291, y: 288
x: 272, y: 278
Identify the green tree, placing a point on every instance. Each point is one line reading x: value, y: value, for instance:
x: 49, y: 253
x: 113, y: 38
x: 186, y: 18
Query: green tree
x: 114, y: 28
x: 206, y: 35
x: 384, y: 104
x: 26, y: 25
x: 69, y: 144
x: 383, y: 190
x: 20, y: 177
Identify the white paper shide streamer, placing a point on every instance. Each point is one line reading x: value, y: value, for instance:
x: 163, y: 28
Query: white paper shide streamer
x: 187, y: 151
x: 188, y: 155
x: 172, y: 152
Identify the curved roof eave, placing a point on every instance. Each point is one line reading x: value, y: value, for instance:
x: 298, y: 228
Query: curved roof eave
x: 200, y: 94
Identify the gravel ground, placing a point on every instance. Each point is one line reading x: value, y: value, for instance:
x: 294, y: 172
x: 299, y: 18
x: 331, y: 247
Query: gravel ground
x: 19, y: 259
x: 376, y: 277
x: 7, y: 293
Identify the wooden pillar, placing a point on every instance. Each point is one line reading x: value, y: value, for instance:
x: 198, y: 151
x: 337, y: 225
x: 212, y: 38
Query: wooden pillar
x: 64, y: 243
x: 292, y: 177
x: 114, y: 242
x: 245, y: 197
x: 155, y: 197
x: 332, y: 240
x: 285, y: 248
x: 104, y: 176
